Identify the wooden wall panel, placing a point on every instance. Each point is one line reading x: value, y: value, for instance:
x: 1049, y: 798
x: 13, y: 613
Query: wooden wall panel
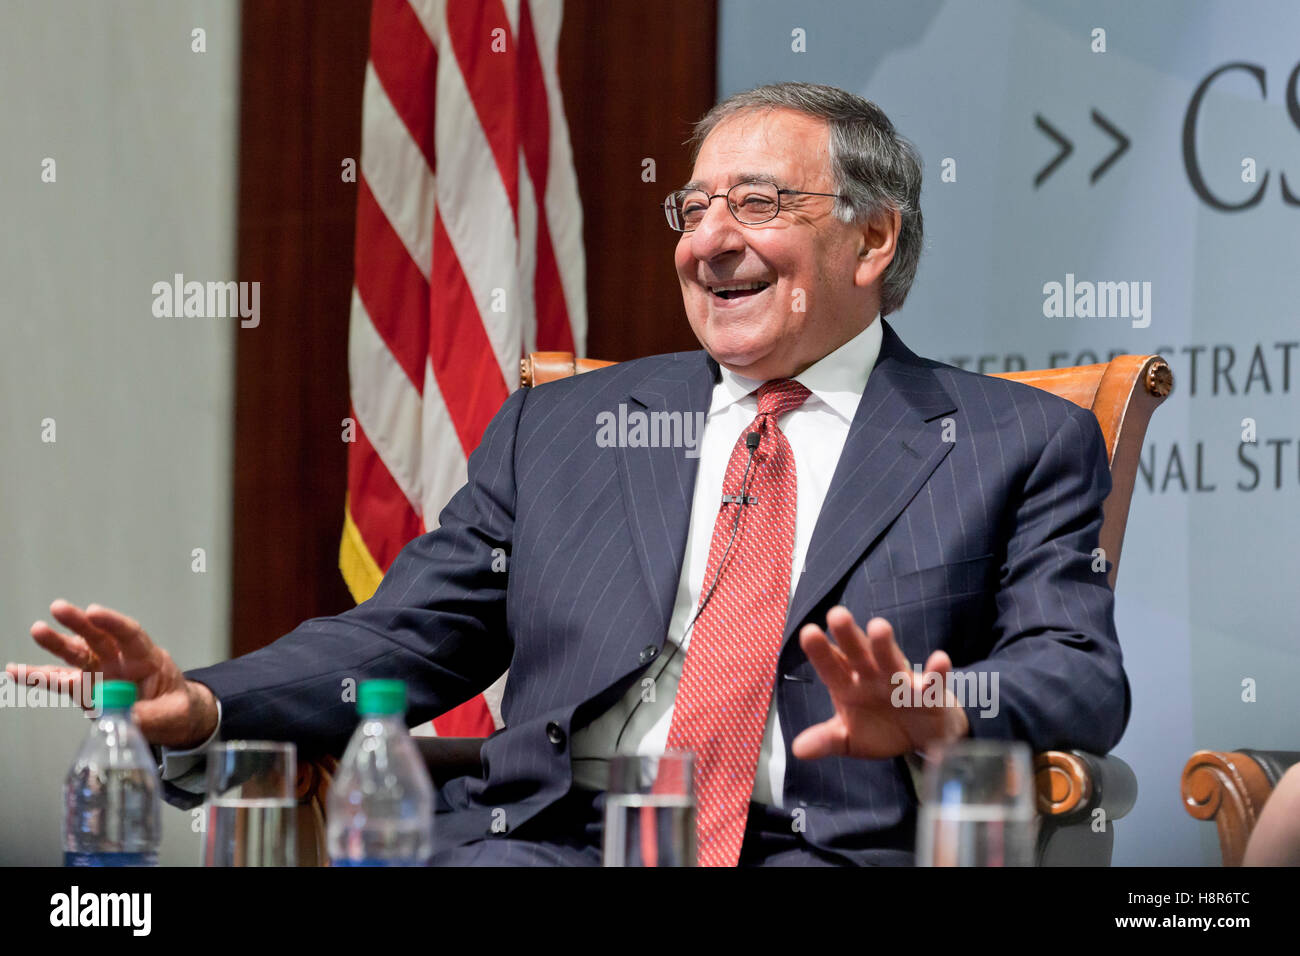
x: 300, y: 115
x: 634, y: 76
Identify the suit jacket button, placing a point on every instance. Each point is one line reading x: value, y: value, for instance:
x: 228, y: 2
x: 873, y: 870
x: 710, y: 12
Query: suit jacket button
x: 555, y: 734
x: 649, y: 653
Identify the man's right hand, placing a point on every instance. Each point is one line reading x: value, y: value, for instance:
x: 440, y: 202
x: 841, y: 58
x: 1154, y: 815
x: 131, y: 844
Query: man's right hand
x: 171, y: 711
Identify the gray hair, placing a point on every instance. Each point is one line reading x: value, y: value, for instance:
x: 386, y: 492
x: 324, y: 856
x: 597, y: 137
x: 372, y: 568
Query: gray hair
x: 875, y: 168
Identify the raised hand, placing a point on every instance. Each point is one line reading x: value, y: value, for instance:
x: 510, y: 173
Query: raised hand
x: 171, y: 711
x: 859, y: 671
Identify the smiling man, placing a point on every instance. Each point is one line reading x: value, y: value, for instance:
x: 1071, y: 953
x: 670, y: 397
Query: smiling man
x: 670, y: 598
x: 772, y: 280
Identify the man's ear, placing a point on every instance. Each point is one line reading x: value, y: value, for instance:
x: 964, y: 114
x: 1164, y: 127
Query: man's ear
x: 877, y: 243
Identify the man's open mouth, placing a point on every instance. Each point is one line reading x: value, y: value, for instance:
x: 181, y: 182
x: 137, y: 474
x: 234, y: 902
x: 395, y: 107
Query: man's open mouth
x: 738, y: 290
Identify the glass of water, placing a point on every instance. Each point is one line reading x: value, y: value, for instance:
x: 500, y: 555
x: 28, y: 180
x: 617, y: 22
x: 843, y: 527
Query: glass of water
x: 978, y: 806
x: 650, y: 811
x: 251, y: 807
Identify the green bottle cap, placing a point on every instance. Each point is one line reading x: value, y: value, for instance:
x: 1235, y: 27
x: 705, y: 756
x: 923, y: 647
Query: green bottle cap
x: 381, y: 698
x: 115, y: 695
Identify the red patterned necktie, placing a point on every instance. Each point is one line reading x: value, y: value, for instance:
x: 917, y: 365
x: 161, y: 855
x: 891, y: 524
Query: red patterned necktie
x: 725, y: 692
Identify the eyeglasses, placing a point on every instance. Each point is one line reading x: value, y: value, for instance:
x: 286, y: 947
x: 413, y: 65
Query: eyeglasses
x: 752, y: 203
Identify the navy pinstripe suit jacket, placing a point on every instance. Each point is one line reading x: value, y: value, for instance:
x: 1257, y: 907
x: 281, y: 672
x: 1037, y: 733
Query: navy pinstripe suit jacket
x: 980, y: 544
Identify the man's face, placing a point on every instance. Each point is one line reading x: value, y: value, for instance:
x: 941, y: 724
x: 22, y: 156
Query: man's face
x: 818, y: 293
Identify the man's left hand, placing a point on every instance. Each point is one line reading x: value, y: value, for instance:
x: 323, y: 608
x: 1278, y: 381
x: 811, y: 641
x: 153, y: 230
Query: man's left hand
x: 860, y: 671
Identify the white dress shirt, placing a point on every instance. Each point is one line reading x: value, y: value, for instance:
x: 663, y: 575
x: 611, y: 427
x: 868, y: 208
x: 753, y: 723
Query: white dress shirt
x: 816, y: 431
x: 187, y: 768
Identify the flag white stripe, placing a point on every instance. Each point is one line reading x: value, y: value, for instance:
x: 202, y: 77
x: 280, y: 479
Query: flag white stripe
x: 526, y: 270
x: 432, y: 15
x: 475, y: 209
x: 512, y: 15
x: 387, y: 405
x: 443, y: 464
x: 397, y: 173
x: 492, y: 697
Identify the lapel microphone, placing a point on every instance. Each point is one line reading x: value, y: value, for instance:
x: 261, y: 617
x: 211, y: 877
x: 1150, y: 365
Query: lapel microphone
x: 742, y: 499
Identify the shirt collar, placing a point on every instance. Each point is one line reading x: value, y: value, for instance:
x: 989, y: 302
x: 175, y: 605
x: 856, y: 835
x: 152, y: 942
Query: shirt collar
x: 837, y: 379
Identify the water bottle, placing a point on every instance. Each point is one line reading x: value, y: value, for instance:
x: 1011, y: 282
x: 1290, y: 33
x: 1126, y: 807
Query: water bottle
x: 380, y: 806
x: 112, y: 808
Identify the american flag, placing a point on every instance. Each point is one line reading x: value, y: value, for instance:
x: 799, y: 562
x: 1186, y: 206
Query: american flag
x: 468, y: 255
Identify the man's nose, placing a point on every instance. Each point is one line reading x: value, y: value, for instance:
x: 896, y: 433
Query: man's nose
x: 718, y: 232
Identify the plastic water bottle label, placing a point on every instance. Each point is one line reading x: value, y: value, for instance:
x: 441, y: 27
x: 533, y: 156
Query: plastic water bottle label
x: 110, y: 859
x: 371, y: 862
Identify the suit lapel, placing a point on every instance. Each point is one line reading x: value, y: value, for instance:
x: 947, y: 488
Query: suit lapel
x: 894, y: 445
x: 659, y: 483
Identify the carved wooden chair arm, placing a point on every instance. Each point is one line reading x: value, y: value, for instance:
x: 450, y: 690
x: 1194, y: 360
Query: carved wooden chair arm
x: 1072, y: 784
x: 315, y: 776
x: 1230, y: 788
x: 1080, y: 796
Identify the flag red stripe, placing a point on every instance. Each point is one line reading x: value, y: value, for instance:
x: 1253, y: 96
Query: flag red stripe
x: 392, y: 289
x: 489, y: 77
x: 380, y: 510
x: 553, y: 328
x: 464, y: 364
x: 534, y: 111
x: 406, y: 63
x: 470, y: 719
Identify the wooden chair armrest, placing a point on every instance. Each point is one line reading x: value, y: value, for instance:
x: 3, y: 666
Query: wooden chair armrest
x: 538, y: 368
x: 1073, y: 783
x: 315, y: 776
x: 1073, y: 786
x: 1230, y: 788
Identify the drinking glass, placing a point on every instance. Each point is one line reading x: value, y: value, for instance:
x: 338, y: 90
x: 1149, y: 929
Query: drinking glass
x: 251, y: 804
x: 978, y: 806
x: 650, y: 811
